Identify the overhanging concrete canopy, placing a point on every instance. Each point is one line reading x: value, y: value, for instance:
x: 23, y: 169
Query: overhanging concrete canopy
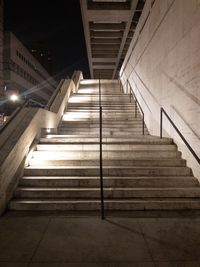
x: 109, y: 26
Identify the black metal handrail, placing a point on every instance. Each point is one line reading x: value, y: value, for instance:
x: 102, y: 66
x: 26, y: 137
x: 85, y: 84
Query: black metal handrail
x: 137, y: 104
x: 15, y: 113
x: 100, y: 154
x: 162, y: 111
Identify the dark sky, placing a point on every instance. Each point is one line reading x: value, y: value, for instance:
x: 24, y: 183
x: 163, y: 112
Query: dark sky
x: 56, y: 24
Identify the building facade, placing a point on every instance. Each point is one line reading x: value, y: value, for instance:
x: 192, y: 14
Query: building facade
x: 23, y: 73
x: 1, y: 47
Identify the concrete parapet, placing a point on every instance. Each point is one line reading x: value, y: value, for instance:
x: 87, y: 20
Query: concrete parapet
x: 16, y: 140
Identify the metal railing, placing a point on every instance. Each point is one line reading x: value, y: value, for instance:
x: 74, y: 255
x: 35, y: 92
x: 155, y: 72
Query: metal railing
x: 162, y: 111
x: 100, y: 155
x: 137, y: 104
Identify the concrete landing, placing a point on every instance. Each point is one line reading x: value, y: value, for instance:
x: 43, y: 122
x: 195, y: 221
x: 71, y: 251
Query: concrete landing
x: 142, y: 239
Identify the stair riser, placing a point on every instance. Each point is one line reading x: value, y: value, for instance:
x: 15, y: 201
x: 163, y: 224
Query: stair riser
x: 90, y: 118
x: 61, y: 139
x: 121, y: 109
x: 112, y: 128
x: 179, y: 171
x: 112, y: 147
x: 96, y: 206
x: 67, y: 162
x: 96, y: 125
x: 123, y: 183
x: 109, y: 194
x: 105, y: 133
x: 94, y: 155
x: 105, y: 128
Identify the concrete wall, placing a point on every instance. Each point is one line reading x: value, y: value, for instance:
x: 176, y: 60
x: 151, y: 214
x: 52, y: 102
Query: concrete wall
x: 163, y: 67
x: 1, y: 47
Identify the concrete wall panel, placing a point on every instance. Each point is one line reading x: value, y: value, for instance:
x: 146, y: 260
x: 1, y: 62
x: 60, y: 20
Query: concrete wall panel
x: 164, y: 70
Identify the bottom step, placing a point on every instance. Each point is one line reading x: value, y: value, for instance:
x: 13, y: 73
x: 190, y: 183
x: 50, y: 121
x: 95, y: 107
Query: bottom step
x: 92, y: 205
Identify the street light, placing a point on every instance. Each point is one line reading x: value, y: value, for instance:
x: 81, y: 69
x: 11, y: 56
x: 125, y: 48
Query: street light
x: 14, y: 97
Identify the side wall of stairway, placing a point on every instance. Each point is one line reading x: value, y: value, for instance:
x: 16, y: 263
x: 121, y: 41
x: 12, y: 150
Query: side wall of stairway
x: 163, y: 67
x: 17, y: 139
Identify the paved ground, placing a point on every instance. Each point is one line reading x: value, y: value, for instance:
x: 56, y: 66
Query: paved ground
x: 141, y: 240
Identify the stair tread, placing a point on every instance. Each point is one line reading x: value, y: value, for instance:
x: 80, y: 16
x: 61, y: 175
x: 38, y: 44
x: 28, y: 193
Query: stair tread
x: 106, y: 167
x: 112, y: 177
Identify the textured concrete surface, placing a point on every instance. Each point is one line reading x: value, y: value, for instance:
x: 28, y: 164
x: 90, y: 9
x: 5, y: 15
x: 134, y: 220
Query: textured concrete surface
x: 162, y: 69
x: 140, y: 239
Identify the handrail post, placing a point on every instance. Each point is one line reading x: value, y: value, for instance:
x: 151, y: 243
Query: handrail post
x: 161, y: 122
x: 143, y: 125
x: 135, y: 108
x: 130, y: 92
x: 100, y: 154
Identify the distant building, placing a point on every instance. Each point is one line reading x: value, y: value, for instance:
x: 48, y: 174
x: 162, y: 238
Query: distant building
x: 41, y: 53
x: 1, y: 47
x: 23, y: 73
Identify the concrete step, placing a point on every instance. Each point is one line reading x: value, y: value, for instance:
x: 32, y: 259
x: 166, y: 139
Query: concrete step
x: 77, y: 155
x: 134, y: 182
x: 137, y: 148
x: 85, y: 139
x: 120, y: 171
x: 60, y: 161
x: 105, y: 133
x: 94, y: 204
x: 95, y: 124
x: 76, y: 118
x: 102, y: 95
x: 78, y: 193
x: 105, y: 111
x: 111, y: 131
x: 116, y: 126
x: 106, y: 108
x: 76, y: 115
x: 96, y: 103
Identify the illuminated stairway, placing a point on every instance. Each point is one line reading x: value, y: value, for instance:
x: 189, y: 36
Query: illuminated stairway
x: 140, y: 172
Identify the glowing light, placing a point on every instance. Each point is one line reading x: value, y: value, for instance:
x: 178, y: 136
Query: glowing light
x: 89, y: 82
x: 79, y: 99
x: 48, y: 130
x: 76, y: 115
x: 14, y: 97
x: 87, y: 91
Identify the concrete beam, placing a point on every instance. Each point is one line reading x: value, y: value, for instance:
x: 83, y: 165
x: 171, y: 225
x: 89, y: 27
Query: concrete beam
x: 109, y: 5
x: 105, y: 60
x: 105, y: 40
x: 126, y: 34
x: 105, y: 46
x: 104, y: 55
x: 113, y: 16
x: 103, y: 66
x: 114, y: 51
x: 107, y: 34
x: 107, y: 26
x: 83, y: 5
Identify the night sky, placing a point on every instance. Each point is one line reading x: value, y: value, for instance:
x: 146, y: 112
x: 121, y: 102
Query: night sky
x: 55, y: 24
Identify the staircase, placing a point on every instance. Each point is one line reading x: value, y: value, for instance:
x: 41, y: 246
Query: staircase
x: 140, y: 172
